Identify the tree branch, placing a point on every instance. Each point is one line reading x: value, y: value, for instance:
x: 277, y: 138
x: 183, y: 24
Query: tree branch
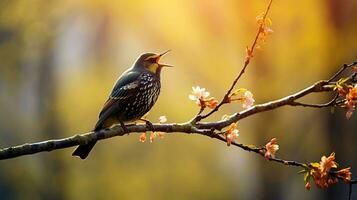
x: 288, y: 100
x: 202, y: 128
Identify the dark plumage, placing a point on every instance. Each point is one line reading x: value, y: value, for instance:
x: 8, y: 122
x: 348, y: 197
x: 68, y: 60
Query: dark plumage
x: 133, y: 95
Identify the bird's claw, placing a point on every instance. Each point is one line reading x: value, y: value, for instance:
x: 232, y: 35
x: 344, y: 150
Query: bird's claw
x: 124, y: 128
x: 149, y: 125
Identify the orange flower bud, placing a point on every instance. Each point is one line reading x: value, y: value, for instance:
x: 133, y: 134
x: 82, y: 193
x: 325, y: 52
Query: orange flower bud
x: 308, y: 186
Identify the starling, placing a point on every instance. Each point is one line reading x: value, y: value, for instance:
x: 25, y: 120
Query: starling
x: 133, y: 95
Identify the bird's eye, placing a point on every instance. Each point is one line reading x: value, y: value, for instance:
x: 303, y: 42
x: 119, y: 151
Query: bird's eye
x: 153, y: 60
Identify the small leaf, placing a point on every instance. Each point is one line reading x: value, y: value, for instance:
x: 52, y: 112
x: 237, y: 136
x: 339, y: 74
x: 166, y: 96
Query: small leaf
x: 307, y: 176
x: 224, y: 117
x: 268, y: 21
x: 342, y: 81
x: 331, y: 86
x: 236, y: 92
x: 315, y: 165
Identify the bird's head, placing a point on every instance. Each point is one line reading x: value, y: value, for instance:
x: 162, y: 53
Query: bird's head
x: 150, y: 62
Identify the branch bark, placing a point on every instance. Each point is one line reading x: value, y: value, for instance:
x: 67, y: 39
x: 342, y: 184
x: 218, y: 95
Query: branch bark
x: 203, y: 128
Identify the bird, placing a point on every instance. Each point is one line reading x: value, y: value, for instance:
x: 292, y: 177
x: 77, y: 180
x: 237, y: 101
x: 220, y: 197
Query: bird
x: 133, y: 95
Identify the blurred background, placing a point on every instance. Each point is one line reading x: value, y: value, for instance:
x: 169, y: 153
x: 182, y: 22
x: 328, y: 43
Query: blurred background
x: 59, y: 59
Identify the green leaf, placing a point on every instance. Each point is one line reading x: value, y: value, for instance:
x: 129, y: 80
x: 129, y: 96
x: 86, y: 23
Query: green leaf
x: 315, y: 164
x: 331, y: 86
x: 235, y: 92
x: 307, y: 176
x: 224, y: 117
x: 342, y: 81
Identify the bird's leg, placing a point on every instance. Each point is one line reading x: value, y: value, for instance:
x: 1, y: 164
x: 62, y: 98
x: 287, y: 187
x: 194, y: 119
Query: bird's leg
x: 148, y: 124
x: 124, y: 127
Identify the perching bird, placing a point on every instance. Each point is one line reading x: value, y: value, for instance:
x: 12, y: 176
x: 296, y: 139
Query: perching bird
x: 133, y: 95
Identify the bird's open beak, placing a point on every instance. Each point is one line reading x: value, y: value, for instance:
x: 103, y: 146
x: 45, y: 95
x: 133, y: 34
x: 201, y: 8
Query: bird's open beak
x: 164, y: 52
x: 165, y: 65
x: 158, y: 59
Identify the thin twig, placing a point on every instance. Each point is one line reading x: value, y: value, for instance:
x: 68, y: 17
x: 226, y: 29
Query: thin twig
x: 246, y: 63
x: 352, y: 182
x: 343, y: 68
x: 338, y: 72
x: 328, y: 104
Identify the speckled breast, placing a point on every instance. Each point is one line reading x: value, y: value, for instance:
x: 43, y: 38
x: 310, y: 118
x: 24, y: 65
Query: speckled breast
x: 145, y: 98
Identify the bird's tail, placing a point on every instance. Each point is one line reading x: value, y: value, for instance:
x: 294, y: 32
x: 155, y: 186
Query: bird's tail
x: 83, y: 150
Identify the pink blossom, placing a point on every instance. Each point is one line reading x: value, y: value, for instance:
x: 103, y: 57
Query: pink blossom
x: 271, y: 148
x: 232, y: 133
x: 162, y: 119
x: 198, y: 94
x: 247, y: 100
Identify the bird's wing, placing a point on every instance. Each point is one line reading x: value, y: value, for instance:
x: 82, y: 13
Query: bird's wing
x: 126, y: 86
